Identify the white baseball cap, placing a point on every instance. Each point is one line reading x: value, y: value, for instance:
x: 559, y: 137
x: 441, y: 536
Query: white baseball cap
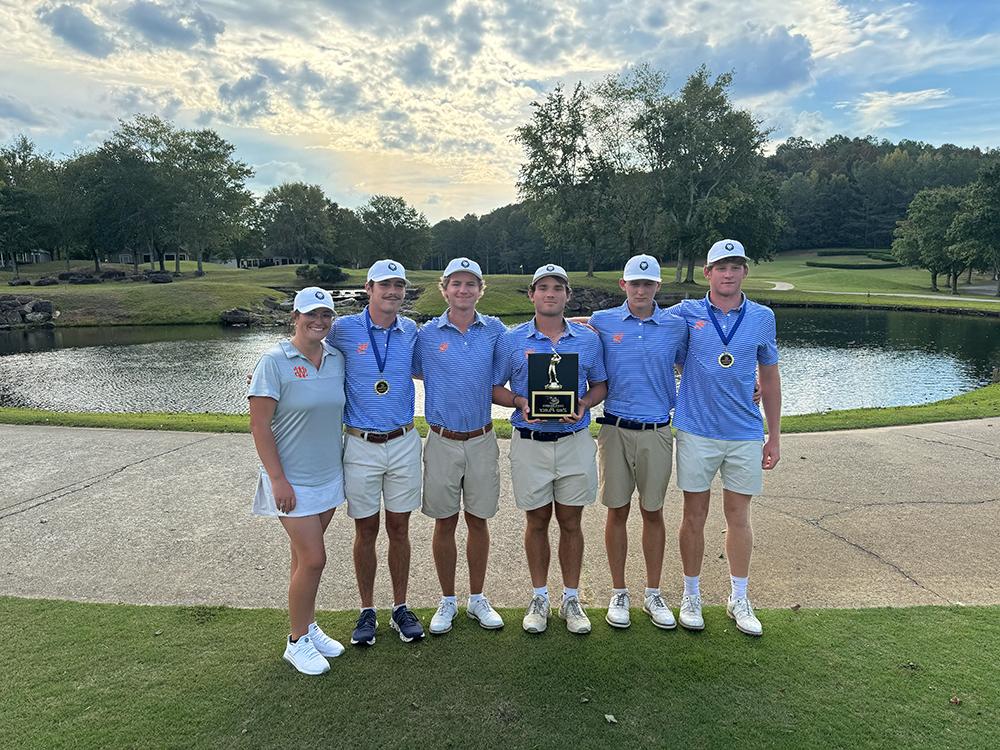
x: 311, y: 298
x: 463, y: 264
x: 642, y: 268
x: 725, y: 249
x: 386, y: 269
x: 550, y: 269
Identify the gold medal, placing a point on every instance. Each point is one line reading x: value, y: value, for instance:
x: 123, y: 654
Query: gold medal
x: 382, y: 387
x: 726, y: 360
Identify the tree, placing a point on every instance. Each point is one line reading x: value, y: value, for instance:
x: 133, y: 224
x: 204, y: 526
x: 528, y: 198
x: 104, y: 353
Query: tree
x: 352, y: 244
x: 699, y: 150
x: 395, y: 230
x: 23, y: 222
x: 976, y: 228
x: 296, y: 222
x: 922, y: 239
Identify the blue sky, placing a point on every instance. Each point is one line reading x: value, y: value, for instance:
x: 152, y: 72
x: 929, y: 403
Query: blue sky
x: 419, y: 98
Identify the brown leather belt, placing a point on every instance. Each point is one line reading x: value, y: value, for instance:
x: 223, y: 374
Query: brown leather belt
x: 378, y: 437
x: 461, y: 435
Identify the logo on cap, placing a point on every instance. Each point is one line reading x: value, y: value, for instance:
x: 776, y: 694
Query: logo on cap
x: 550, y: 268
x: 729, y: 246
x: 643, y: 265
x: 465, y: 264
x: 392, y: 266
x: 319, y: 295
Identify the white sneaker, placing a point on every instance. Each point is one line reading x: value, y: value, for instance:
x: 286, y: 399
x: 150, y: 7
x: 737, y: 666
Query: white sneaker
x: 443, y: 617
x: 483, y: 611
x: 746, y: 621
x: 536, y: 619
x: 618, y: 615
x: 326, y: 645
x: 304, y: 657
x: 659, y: 612
x: 576, y: 619
x: 690, y: 612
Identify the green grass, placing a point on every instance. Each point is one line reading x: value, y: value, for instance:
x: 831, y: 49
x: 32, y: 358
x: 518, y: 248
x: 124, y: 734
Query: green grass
x: 88, y: 675
x: 978, y: 404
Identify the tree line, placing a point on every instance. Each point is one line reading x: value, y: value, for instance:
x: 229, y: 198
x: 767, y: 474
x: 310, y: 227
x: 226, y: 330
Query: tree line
x: 614, y: 168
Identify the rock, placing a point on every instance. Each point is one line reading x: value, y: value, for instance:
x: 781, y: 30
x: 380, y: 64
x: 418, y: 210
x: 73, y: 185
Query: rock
x: 40, y: 305
x: 159, y: 278
x: 10, y: 317
x: 113, y: 273
x: 9, y: 304
x: 239, y: 317
x: 199, y: 273
x: 286, y: 306
x: 85, y: 280
x: 66, y: 275
x: 37, y: 317
x: 272, y: 304
x: 22, y: 300
x: 19, y: 282
x: 46, y: 281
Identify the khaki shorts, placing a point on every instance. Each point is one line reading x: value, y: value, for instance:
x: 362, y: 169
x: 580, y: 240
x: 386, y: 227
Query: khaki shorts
x: 457, y: 470
x: 377, y: 472
x: 699, y: 459
x: 631, y: 459
x: 562, y: 471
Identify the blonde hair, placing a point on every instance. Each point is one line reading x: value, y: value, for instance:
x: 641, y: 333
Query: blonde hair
x: 443, y: 282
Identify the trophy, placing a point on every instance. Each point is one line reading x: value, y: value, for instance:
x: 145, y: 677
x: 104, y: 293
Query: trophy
x: 553, y: 382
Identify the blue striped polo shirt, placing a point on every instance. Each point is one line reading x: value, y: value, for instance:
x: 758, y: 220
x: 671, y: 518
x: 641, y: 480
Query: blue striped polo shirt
x: 457, y: 369
x: 714, y: 401
x: 639, y: 356
x: 365, y: 409
x: 511, y: 364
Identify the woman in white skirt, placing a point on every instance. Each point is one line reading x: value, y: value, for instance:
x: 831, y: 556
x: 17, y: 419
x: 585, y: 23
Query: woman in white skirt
x: 296, y: 399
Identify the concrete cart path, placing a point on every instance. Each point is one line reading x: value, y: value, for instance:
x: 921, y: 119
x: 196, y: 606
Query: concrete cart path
x: 890, y: 516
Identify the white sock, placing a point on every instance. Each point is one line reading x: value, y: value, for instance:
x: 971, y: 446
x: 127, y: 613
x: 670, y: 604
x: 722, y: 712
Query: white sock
x: 451, y: 599
x: 692, y: 586
x: 569, y: 593
x: 739, y: 587
x: 365, y: 609
x: 473, y: 598
x: 397, y: 606
x: 619, y: 591
x: 541, y: 591
x: 652, y: 592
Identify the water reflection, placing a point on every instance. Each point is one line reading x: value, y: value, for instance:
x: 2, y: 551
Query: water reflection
x: 831, y: 359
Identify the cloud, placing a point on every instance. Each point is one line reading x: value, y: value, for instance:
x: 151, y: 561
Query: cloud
x: 386, y: 15
x: 134, y: 99
x: 248, y: 97
x: 75, y: 28
x: 14, y: 110
x: 180, y: 26
x: 812, y: 126
x: 415, y: 66
x: 878, y: 110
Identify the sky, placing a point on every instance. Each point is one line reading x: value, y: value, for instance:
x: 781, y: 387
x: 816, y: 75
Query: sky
x: 420, y: 98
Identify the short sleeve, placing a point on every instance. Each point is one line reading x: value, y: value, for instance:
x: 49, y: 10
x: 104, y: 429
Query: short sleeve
x: 266, y: 379
x: 597, y: 373
x: 501, y: 359
x: 417, y: 367
x: 335, y: 337
x: 677, y: 323
x: 767, y: 349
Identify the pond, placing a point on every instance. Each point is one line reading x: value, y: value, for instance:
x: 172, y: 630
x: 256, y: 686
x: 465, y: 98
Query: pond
x: 830, y: 359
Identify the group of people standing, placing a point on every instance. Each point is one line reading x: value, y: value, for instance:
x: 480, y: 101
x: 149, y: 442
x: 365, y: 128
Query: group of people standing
x: 332, y: 410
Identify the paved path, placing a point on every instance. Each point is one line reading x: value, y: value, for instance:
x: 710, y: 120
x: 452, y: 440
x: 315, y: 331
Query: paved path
x: 891, y: 516
x: 989, y: 293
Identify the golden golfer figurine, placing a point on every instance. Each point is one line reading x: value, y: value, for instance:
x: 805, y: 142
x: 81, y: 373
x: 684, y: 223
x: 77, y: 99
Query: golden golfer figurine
x: 553, y: 381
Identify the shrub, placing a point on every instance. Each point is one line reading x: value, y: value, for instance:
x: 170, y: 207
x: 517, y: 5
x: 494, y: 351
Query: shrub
x: 303, y: 272
x: 323, y: 273
x: 851, y: 266
x: 840, y: 251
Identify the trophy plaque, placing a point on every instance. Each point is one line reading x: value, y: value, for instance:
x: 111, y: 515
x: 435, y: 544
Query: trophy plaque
x: 553, y: 382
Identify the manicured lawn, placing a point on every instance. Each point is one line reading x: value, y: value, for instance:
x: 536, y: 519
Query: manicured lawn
x: 979, y: 404
x: 86, y: 675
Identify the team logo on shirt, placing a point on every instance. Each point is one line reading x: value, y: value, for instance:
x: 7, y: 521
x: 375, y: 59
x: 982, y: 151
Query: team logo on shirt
x: 300, y: 371
x: 698, y: 325
x: 362, y: 348
x: 617, y: 338
x: 443, y: 346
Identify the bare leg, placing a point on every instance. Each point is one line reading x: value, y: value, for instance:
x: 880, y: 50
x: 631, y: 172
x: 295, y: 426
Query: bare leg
x: 306, y: 536
x: 570, y: 543
x: 397, y: 525
x: 536, y: 544
x: 445, y: 553
x: 691, y: 536
x: 739, y: 532
x: 616, y: 543
x: 477, y: 551
x: 365, y: 564
x: 654, y: 539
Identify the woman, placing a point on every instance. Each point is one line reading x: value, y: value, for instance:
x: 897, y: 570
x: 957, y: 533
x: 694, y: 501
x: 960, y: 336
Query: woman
x: 296, y: 399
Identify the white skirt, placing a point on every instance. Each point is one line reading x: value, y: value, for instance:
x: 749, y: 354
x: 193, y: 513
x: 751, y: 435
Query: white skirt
x: 309, y: 501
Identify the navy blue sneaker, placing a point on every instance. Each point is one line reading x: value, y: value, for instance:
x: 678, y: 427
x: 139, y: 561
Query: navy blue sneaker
x: 364, y: 631
x: 406, y: 624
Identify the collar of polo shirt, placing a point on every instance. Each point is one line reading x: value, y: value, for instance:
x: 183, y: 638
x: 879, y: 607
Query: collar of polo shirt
x: 743, y: 299
x: 291, y: 352
x: 626, y: 313
x: 567, y: 330
x: 442, y: 320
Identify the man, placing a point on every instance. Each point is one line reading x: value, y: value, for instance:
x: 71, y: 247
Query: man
x: 454, y: 356
x: 635, y: 446
x: 719, y: 428
x: 381, y: 448
x: 551, y: 462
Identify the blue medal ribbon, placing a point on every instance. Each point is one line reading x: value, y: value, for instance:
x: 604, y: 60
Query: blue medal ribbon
x: 388, y: 335
x: 739, y: 319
